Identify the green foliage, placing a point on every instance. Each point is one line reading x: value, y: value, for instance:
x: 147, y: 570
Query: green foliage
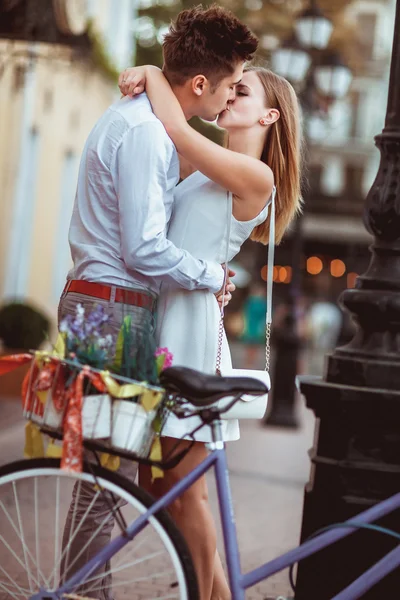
x: 22, y: 327
x: 119, y: 347
x: 134, y: 353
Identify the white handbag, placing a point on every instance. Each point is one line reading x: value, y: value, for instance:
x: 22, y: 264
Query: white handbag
x: 250, y: 407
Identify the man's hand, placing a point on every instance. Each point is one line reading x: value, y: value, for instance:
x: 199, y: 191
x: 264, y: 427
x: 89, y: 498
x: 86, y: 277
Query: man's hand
x: 223, y: 300
x: 132, y: 81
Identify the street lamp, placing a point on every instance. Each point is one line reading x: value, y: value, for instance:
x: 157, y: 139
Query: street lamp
x: 302, y: 60
x: 332, y: 76
x: 313, y: 29
x: 291, y: 61
x: 356, y: 452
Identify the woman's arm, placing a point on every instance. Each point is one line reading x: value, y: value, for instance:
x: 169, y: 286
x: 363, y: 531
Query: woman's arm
x: 186, y: 168
x: 246, y: 177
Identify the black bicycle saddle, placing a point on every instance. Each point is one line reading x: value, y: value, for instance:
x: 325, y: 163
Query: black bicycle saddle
x: 202, y: 389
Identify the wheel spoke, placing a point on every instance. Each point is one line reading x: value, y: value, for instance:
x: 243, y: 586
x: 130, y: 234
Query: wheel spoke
x: 37, y: 544
x: 130, y: 581
x: 17, y: 558
x: 13, y: 525
x: 69, y: 544
x: 14, y: 583
x: 66, y: 551
x: 93, y: 537
x: 13, y: 595
x: 131, y: 549
x: 35, y: 499
x: 56, y: 533
x: 113, y: 570
x: 22, y: 536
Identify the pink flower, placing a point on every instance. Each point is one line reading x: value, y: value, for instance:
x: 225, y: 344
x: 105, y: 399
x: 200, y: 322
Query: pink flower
x: 166, y: 358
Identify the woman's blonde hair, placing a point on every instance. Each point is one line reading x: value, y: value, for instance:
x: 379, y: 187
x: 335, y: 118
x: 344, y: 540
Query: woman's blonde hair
x: 282, y: 152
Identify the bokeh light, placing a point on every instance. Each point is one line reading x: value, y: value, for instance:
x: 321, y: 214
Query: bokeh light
x: 314, y: 265
x: 337, y: 268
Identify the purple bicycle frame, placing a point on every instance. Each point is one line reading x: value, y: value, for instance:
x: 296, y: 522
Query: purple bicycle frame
x: 240, y: 582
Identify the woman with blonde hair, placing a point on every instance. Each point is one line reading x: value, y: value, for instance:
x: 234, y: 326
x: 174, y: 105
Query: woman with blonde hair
x: 260, y: 164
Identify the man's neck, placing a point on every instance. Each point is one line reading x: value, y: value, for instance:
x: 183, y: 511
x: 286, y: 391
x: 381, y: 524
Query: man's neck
x: 182, y: 96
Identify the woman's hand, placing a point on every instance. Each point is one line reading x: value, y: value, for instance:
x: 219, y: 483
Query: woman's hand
x: 132, y: 81
x: 224, y: 299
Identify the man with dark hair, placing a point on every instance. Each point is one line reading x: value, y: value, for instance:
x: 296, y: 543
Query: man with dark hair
x: 211, y: 42
x: 123, y: 204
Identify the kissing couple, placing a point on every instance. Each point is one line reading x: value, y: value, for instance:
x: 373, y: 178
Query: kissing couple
x: 146, y: 247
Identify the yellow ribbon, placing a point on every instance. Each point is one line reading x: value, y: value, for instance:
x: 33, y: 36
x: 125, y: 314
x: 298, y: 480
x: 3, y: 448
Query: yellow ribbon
x: 109, y: 461
x: 150, y: 399
x: 53, y: 451
x: 33, y: 441
x: 60, y: 346
x: 59, y: 349
x: 127, y: 390
x: 156, y: 455
x: 42, y: 396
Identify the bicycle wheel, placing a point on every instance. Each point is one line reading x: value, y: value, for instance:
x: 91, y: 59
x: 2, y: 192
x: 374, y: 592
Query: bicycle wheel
x: 35, y: 501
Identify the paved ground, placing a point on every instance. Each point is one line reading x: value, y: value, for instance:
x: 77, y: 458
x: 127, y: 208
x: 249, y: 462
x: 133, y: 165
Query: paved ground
x: 268, y: 469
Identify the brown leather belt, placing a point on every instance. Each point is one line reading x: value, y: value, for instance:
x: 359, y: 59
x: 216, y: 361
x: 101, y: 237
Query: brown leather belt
x: 103, y: 291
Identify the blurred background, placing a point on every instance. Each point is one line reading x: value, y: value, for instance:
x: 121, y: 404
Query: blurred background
x: 59, y: 62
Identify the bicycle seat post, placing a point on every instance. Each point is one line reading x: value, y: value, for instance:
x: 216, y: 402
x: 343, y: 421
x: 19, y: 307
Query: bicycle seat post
x: 216, y: 432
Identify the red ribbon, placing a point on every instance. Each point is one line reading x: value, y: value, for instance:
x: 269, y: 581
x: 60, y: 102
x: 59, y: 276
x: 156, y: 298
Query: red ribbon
x: 12, y: 362
x: 52, y: 374
x: 72, y: 453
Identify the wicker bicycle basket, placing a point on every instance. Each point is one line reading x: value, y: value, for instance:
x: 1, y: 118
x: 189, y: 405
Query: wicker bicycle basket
x: 109, y: 416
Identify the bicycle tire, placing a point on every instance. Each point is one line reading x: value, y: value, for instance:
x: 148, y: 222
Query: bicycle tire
x: 48, y: 467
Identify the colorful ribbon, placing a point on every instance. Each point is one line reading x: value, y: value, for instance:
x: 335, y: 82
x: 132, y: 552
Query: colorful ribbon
x: 150, y: 399
x: 49, y: 373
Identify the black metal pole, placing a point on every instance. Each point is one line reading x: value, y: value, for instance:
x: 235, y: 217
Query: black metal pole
x: 287, y: 343
x: 356, y: 455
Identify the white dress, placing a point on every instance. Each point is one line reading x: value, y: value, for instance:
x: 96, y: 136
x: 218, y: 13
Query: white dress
x: 188, y: 321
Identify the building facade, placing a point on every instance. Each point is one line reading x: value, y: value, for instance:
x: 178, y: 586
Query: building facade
x: 343, y: 157
x: 51, y: 94
x: 342, y: 162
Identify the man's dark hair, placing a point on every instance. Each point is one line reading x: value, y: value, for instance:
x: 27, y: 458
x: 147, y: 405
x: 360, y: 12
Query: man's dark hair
x: 208, y: 41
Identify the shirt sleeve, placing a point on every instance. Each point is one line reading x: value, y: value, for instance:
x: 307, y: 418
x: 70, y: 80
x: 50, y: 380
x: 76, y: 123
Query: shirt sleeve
x: 140, y: 179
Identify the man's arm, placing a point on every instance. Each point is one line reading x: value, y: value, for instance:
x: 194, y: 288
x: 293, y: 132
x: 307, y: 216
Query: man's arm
x: 140, y: 179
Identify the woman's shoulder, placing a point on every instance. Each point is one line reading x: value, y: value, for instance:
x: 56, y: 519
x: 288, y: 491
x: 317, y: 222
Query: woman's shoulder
x: 262, y: 215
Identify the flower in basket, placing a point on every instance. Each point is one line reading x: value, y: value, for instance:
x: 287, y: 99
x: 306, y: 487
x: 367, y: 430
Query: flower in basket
x: 85, y: 339
x: 135, y: 352
x: 164, y: 359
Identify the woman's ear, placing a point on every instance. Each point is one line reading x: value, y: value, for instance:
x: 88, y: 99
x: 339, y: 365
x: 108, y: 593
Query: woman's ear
x: 272, y: 115
x: 199, y: 84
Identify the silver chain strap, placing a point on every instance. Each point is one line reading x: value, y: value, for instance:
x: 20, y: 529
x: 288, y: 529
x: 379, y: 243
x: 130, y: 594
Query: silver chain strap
x: 267, y: 346
x: 219, y: 352
x: 269, y: 286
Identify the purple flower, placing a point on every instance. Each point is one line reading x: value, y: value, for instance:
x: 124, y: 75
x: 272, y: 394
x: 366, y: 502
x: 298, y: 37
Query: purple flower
x: 85, y: 335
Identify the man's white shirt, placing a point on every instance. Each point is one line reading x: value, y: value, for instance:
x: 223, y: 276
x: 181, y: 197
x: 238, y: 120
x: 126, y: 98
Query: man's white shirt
x: 128, y: 171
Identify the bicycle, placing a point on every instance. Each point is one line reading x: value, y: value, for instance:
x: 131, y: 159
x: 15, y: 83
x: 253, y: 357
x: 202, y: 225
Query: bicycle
x: 163, y: 568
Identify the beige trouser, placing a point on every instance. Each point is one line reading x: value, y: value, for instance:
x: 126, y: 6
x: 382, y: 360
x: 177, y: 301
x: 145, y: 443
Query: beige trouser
x: 83, y: 495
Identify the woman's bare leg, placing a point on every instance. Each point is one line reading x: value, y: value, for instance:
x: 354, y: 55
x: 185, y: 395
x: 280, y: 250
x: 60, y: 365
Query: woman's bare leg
x: 191, y: 512
x: 220, y: 588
